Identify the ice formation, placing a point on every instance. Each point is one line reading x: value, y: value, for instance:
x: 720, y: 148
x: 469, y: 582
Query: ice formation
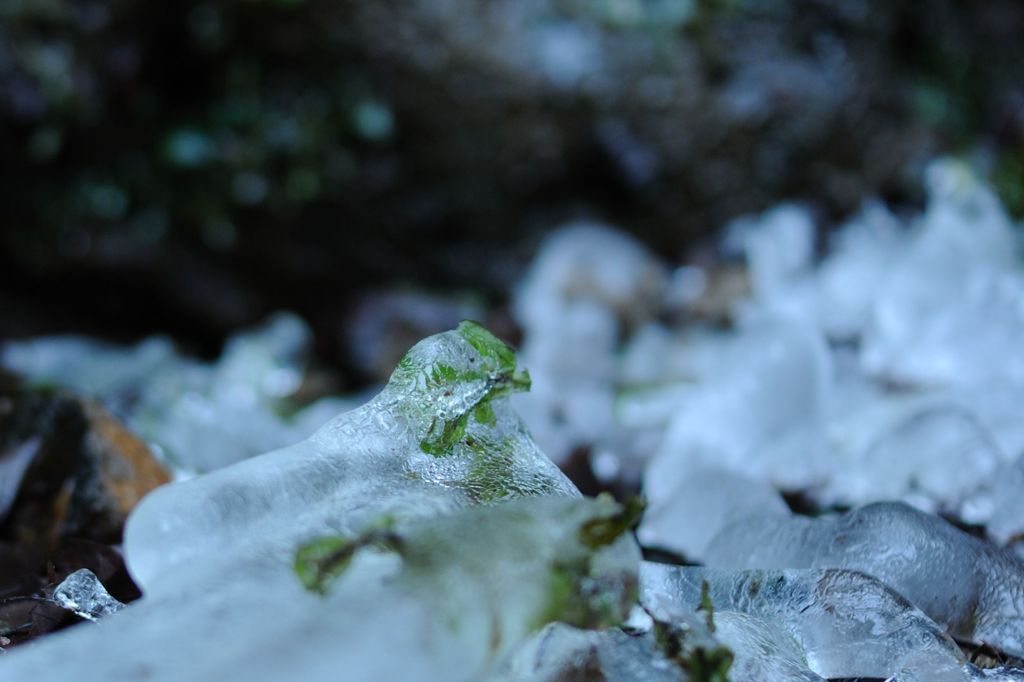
x: 216, y: 555
x: 588, y: 285
x: 967, y: 585
x: 887, y: 371
x: 835, y: 623
x: 560, y: 652
x: 201, y: 417
x: 685, y: 515
x: 84, y: 594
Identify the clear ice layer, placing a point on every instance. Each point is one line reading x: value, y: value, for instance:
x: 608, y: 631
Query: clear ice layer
x: 588, y: 285
x: 972, y: 588
x: 200, y: 417
x: 561, y: 652
x: 684, y: 515
x: 838, y: 623
x: 83, y: 594
x: 215, y: 555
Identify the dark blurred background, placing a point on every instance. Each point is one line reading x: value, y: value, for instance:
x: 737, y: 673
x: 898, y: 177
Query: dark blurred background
x: 189, y: 167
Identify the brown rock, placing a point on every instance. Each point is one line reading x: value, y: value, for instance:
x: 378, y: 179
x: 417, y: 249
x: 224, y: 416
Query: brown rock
x: 87, y: 470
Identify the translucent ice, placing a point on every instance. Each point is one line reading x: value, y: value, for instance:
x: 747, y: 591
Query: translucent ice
x: 839, y: 623
x: 587, y: 286
x: 763, y: 650
x: 760, y: 414
x: 1002, y: 506
x: 684, y: 516
x: 216, y: 555
x: 84, y: 594
x: 561, y: 652
x: 200, y: 416
x: 458, y: 592
x: 440, y: 435
x: 953, y: 304
x: 970, y: 587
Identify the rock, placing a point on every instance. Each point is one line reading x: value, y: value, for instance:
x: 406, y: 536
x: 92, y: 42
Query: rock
x: 82, y: 471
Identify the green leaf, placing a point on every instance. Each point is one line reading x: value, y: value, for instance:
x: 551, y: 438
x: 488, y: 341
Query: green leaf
x: 488, y: 345
x: 484, y: 414
x: 323, y: 561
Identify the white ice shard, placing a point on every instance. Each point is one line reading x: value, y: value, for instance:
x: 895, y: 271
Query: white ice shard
x: 952, y: 306
x: 761, y: 414
x: 215, y: 555
x: 684, y: 516
x: 201, y: 417
x: 763, y: 650
x: 587, y: 286
x: 843, y: 623
x: 779, y: 245
x: 86, y: 365
x: 967, y: 585
x: 1001, y: 506
x: 84, y: 594
x: 931, y: 451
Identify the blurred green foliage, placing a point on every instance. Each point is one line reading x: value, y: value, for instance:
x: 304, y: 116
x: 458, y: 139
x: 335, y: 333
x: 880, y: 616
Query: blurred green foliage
x: 199, y: 116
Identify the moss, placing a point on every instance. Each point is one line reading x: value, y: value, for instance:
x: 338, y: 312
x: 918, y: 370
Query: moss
x: 443, y: 434
x: 600, y: 532
x: 497, y: 371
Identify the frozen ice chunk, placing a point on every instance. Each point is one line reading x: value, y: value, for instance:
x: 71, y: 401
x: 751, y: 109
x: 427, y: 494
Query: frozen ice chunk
x: 846, y: 283
x: 546, y: 559
x: 762, y: 414
x: 450, y: 599
x: 1004, y: 506
x: 561, y: 652
x: 935, y: 452
x: 685, y: 513
x: 399, y: 507
x: 87, y: 366
x: 208, y: 417
x: 84, y: 594
x: 201, y: 417
x: 587, y: 286
x: 779, y: 245
x: 763, y: 650
x: 952, y: 306
x: 586, y: 261
x: 439, y: 436
x: 970, y: 587
x: 753, y: 649
x: 843, y: 623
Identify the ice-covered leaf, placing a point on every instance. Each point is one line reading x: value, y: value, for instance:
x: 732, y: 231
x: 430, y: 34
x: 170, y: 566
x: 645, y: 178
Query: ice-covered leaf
x: 414, y: 566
